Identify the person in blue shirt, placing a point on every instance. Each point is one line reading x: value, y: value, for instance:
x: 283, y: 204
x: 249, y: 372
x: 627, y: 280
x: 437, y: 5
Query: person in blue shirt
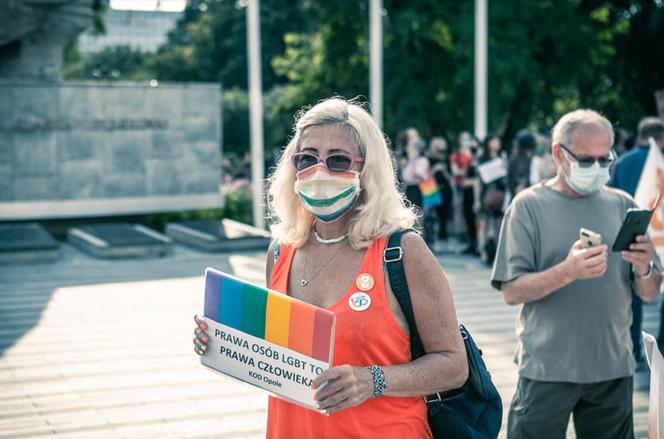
x: 626, y: 177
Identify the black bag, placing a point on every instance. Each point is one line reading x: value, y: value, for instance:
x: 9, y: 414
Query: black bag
x: 473, y: 411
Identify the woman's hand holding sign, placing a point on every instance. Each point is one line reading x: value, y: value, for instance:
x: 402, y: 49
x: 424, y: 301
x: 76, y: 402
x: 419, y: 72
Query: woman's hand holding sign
x: 201, y: 338
x: 347, y: 386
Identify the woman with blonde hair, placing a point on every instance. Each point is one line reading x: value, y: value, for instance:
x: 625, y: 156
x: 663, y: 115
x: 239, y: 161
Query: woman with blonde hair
x: 334, y: 202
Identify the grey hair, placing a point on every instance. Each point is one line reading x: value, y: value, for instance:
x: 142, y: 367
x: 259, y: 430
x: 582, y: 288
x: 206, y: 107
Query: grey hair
x: 566, y: 127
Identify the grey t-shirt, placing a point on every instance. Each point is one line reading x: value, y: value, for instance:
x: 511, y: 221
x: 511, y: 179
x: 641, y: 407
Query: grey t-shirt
x: 579, y: 333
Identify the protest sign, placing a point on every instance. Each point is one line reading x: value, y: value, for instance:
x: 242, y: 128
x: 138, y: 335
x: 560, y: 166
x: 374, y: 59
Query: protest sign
x: 651, y: 184
x: 430, y: 193
x: 656, y: 403
x: 266, y: 338
x: 492, y: 170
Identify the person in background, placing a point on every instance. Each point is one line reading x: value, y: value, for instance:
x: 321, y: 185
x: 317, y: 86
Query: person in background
x: 415, y: 169
x: 626, y: 177
x: 399, y: 151
x: 542, y: 166
x: 620, y: 143
x: 573, y: 351
x: 464, y: 174
x: 400, y: 143
x: 492, y: 196
x: 439, y: 160
x: 518, y: 172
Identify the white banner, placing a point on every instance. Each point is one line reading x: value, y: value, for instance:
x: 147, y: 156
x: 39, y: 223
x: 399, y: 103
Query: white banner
x: 656, y: 363
x: 492, y: 170
x: 651, y: 184
x: 281, y: 371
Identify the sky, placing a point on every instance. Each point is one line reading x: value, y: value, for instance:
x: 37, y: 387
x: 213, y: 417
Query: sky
x: 149, y: 5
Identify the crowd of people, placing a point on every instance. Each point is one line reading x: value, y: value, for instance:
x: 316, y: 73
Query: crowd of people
x: 476, y: 180
x: 336, y: 206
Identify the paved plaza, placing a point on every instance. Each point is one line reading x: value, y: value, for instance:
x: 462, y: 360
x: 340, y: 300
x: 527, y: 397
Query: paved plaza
x: 102, y: 349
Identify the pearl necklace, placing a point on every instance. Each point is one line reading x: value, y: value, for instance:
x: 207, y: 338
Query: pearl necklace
x: 331, y: 240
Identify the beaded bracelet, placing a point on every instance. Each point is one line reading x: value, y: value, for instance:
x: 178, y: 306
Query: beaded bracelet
x: 380, y: 385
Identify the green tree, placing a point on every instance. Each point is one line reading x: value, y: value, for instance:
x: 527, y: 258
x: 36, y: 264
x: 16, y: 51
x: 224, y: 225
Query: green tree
x: 545, y: 58
x: 638, y: 67
x: 331, y: 60
x: 209, y: 42
x: 112, y: 63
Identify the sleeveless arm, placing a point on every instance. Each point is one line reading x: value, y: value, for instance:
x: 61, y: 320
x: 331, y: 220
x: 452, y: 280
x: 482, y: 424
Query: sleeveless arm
x: 445, y: 366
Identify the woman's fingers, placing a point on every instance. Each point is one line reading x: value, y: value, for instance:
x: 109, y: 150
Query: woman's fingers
x: 202, y: 336
x: 346, y: 387
x: 327, y: 375
x: 199, y: 345
x: 200, y: 322
x: 342, y: 404
x: 331, y: 388
x: 335, y: 399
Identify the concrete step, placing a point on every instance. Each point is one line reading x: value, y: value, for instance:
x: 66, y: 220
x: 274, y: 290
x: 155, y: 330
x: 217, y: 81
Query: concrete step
x: 218, y: 236
x: 121, y: 240
x: 22, y: 243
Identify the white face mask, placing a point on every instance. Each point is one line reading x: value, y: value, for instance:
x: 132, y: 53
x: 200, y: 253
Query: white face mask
x: 587, y: 181
x: 327, y: 195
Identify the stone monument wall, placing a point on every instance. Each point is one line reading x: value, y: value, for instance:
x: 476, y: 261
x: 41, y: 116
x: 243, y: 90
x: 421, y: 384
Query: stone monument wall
x: 73, y: 149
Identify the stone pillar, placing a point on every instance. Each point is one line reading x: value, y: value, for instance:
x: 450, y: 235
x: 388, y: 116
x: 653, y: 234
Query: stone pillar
x: 33, y: 34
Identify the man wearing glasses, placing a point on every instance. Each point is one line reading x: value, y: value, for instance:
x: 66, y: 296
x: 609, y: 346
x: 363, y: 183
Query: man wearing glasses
x: 573, y: 349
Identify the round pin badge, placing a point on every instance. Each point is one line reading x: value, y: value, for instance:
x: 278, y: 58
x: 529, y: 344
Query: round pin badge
x: 359, y: 301
x: 364, y: 282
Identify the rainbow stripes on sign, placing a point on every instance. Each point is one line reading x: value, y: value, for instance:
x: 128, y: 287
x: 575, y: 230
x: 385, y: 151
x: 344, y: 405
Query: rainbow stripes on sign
x: 274, y: 317
x: 430, y: 194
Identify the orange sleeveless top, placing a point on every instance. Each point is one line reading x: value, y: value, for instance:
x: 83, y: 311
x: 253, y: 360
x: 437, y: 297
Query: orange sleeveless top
x: 361, y: 338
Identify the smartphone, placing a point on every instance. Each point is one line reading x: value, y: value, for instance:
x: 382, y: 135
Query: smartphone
x: 589, y: 238
x: 635, y: 223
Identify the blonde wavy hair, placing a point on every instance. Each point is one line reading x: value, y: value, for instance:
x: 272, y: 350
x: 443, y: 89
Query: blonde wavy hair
x: 381, y: 208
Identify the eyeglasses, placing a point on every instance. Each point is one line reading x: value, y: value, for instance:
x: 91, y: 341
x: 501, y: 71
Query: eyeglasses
x: 587, y: 162
x: 335, y: 162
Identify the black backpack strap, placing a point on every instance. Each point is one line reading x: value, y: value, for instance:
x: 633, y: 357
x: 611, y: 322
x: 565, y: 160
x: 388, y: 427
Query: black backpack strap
x: 393, y: 258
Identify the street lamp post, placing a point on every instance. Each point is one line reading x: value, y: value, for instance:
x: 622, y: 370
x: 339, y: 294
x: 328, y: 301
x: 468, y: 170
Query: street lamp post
x: 376, y: 63
x: 481, y: 77
x: 256, y: 111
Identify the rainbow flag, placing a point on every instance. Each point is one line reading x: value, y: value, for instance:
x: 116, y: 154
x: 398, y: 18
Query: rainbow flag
x: 430, y: 194
x: 269, y: 315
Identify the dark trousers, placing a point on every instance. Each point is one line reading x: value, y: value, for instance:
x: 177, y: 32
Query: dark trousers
x: 469, y: 215
x: 444, y: 211
x: 637, y: 321
x: 426, y: 220
x: 414, y: 195
x: 541, y: 410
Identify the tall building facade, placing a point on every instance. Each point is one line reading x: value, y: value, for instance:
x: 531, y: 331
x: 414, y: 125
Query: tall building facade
x: 141, y: 30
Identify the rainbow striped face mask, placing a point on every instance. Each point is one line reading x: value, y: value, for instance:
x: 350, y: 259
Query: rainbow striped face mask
x: 327, y: 195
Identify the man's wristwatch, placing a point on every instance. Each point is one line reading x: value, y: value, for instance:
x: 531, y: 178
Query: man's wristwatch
x: 645, y: 275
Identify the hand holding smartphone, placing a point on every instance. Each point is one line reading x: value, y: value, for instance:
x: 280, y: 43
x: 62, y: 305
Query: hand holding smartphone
x: 589, y: 238
x: 636, y: 223
x: 587, y: 259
